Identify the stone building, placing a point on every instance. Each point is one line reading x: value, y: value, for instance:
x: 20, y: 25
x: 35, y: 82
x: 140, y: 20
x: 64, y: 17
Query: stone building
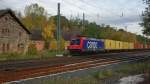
x: 14, y: 36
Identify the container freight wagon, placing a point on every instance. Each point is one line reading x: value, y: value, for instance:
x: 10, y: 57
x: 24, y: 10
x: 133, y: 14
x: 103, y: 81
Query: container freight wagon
x: 138, y: 46
x: 125, y: 45
x: 109, y: 44
x: 117, y: 45
x: 145, y: 46
x: 83, y: 44
x: 148, y: 46
x: 131, y: 45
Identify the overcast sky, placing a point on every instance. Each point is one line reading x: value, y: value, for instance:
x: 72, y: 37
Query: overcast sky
x: 118, y: 13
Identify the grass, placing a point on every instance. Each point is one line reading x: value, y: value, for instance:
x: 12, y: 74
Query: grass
x: 76, y: 80
x: 103, y: 74
x: 132, y: 69
x: 29, y: 55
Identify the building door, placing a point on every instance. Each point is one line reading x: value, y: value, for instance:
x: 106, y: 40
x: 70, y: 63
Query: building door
x: 7, y: 47
x: 3, y: 48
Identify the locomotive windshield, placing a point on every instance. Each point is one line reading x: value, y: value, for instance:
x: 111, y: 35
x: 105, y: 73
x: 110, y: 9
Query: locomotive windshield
x: 75, y: 42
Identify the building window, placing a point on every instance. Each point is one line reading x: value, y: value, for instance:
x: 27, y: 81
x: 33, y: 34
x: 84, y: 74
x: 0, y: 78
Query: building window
x: 20, y: 33
x: 5, y: 31
x: 21, y: 45
x: 6, y: 18
x: 7, y: 46
x: 2, y: 31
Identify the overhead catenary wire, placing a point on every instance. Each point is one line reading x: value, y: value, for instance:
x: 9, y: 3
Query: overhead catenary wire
x: 96, y: 7
x: 110, y: 10
x: 80, y: 8
x: 87, y: 4
x: 89, y: 13
x: 71, y: 4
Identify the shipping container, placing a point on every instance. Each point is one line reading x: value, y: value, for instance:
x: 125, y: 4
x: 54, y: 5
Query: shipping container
x: 125, y: 45
x: 148, y: 46
x: 117, y: 45
x: 145, y: 46
x: 142, y: 46
x: 121, y: 45
x: 138, y: 46
x: 131, y: 45
x: 109, y: 44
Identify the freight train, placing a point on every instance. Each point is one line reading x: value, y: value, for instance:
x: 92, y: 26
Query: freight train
x: 81, y: 44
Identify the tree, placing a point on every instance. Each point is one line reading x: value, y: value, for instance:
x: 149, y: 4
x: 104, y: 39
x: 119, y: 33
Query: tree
x: 34, y: 10
x: 48, y: 30
x: 35, y: 16
x: 52, y: 21
x: 64, y: 22
x: 146, y: 18
x: 91, y: 30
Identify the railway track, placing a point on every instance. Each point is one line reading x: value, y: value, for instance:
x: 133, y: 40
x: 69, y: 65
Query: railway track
x: 11, y: 65
x: 57, y: 65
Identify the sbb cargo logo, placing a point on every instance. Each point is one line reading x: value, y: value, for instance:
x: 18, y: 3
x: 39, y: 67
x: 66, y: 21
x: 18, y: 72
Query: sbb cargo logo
x: 91, y: 45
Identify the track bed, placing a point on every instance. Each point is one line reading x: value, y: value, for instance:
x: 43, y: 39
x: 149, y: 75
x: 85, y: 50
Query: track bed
x: 11, y: 71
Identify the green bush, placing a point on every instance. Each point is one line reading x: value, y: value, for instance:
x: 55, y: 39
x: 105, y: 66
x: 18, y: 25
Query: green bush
x: 32, y: 50
x: 103, y: 74
x: 10, y: 56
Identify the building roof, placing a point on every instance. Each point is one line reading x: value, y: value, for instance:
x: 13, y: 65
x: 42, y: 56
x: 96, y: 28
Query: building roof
x: 9, y: 11
x: 67, y: 35
x: 36, y: 34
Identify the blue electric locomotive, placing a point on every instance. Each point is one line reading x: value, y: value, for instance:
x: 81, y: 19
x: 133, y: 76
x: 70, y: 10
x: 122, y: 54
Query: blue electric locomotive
x: 84, y: 44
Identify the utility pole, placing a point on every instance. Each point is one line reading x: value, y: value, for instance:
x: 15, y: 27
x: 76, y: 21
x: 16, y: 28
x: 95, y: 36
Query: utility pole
x: 83, y: 26
x: 144, y: 40
x: 126, y: 28
x: 136, y: 37
x: 58, y: 32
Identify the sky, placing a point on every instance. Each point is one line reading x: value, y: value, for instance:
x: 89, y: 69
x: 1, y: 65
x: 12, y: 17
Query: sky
x: 125, y: 14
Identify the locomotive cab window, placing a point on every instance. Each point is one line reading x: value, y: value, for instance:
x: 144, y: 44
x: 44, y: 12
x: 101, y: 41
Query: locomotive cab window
x: 75, y: 42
